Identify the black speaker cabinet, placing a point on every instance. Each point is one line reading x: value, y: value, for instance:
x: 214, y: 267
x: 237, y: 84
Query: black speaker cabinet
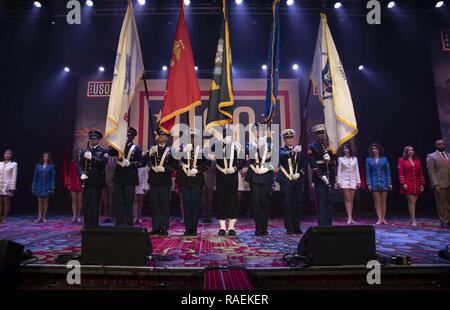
x: 122, y: 246
x: 338, y: 245
x: 10, y: 259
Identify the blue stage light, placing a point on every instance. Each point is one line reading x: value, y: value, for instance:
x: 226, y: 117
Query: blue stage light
x: 89, y: 3
x: 439, y: 4
x: 164, y: 68
x: 391, y: 4
x: 295, y: 67
x: 337, y: 5
x: 37, y: 4
x: 67, y: 69
x: 141, y: 2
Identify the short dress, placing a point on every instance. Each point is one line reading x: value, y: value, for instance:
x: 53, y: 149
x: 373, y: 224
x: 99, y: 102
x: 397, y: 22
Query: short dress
x: 74, y: 181
x: 411, y: 174
x: 8, y: 178
x: 44, y: 180
x: 143, y: 185
x: 378, y: 174
x: 348, y: 173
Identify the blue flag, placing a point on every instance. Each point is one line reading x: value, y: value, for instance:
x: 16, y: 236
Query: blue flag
x: 273, y: 63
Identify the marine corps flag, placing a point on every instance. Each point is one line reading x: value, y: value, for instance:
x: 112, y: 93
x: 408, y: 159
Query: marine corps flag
x: 221, y: 100
x: 273, y: 63
x: 182, y: 89
x: 128, y: 72
x: 330, y: 82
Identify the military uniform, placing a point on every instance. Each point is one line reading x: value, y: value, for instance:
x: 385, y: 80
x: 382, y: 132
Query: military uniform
x: 260, y: 177
x: 290, y: 177
x: 191, y: 181
x: 227, y: 169
x: 161, y: 164
x: 91, y: 168
x: 125, y: 180
x: 323, y: 172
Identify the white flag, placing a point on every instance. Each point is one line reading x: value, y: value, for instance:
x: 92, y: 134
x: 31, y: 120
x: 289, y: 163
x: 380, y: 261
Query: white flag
x: 330, y: 82
x: 128, y: 72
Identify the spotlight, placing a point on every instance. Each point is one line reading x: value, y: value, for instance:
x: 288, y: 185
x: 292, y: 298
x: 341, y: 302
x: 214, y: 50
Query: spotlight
x: 238, y: 2
x: 187, y: 2
x: 196, y: 68
x: 290, y: 2
x: 101, y: 68
x: 361, y: 67
x: 337, y: 5
x: 264, y: 67
x: 164, y: 68
x: 89, y: 3
x: 439, y: 4
x: 295, y: 67
x: 37, y: 4
x: 391, y: 4
x: 67, y: 69
x: 141, y: 2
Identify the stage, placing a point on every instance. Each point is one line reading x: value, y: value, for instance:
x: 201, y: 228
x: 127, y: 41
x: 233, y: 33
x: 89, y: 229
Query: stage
x: 202, y: 260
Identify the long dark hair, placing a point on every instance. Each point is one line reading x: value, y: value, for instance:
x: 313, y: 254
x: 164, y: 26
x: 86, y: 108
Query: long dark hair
x: 41, y: 160
x: 8, y: 150
x: 347, y: 146
x: 378, y: 146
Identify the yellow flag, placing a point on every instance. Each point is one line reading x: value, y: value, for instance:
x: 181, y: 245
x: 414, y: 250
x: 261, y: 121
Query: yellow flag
x: 329, y: 79
x: 128, y: 73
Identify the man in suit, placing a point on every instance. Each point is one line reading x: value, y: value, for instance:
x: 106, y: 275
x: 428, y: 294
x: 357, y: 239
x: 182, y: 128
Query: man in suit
x: 438, y: 166
x: 91, y: 168
x: 322, y: 164
x: 260, y: 177
x: 290, y: 177
x: 125, y: 179
x: 161, y: 164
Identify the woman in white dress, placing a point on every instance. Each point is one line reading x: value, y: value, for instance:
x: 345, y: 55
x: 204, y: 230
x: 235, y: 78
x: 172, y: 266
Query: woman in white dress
x: 348, y: 179
x: 8, y: 178
x: 141, y: 189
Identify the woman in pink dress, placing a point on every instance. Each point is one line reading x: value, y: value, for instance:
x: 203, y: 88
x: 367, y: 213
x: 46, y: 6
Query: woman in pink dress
x: 75, y: 188
x: 412, y: 181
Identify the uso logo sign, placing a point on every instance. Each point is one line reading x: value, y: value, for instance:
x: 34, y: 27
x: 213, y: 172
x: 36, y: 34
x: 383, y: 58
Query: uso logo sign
x: 98, y: 89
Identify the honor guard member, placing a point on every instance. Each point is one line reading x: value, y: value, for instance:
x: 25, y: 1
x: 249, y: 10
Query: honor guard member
x: 191, y: 181
x: 229, y: 161
x: 126, y: 178
x: 91, y: 168
x: 161, y: 163
x: 323, y: 168
x: 290, y: 177
x: 260, y: 177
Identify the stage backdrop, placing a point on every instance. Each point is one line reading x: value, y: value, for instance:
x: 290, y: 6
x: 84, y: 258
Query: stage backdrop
x: 249, y: 94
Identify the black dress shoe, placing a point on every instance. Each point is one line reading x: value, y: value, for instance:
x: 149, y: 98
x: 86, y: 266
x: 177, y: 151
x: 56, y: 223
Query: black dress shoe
x: 222, y: 232
x: 290, y: 232
x: 265, y: 232
x: 193, y: 232
x: 258, y: 233
x: 298, y: 231
x: 164, y: 232
x: 207, y: 221
x: 155, y: 232
x: 187, y: 232
x: 232, y: 232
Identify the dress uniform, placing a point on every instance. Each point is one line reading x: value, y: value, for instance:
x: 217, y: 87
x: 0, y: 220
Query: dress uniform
x: 191, y: 180
x: 260, y: 177
x: 322, y: 164
x: 125, y: 180
x: 290, y: 177
x: 229, y: 161
x: 91, y: 168
x: 161, y: 163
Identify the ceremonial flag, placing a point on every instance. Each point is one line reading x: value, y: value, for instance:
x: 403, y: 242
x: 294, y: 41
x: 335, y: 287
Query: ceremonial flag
x: 330, y: 82
x: 182, y: 89
x: 221, y: 99
x: 273, y: 63
x: 128, y: 72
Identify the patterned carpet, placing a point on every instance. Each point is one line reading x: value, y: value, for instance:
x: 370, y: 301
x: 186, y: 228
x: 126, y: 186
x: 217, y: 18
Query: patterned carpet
x: 58, y: 236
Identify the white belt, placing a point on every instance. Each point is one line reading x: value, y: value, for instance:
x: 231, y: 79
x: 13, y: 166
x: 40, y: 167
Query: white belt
x: 163, y: 158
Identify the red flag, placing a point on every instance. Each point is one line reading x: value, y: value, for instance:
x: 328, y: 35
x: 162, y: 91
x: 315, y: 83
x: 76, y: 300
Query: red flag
x: 182, y: 89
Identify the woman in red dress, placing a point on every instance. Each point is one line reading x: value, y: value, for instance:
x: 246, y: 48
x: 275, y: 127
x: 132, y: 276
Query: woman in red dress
x: 75, y: 188
x: 412, y: 181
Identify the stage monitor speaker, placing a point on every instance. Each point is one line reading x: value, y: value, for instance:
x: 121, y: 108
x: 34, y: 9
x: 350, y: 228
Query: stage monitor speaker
x: 123, y: 246
x: 338, y: 245
x: 10, y: 259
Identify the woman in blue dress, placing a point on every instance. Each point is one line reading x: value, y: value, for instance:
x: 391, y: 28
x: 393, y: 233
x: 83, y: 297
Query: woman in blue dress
x: 378, y: 179
x: 43, y: 184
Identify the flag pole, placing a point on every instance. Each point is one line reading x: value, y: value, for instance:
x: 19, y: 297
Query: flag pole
x: 150, y: 116
x: 303, y: 136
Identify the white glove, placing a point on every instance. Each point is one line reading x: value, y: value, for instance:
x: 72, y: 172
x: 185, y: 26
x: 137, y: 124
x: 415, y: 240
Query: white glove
x: 263, y: 170
x: 83, y: 177
x: 155, y: 169
x: 227, y: 140
x: 125, y: 162
x: 192, y: 172
x: 262, y: 141
x: 88, y: 155
x: 160, y: 169
x: 231, y: 170
x: 297, y: 149
x: 326, y: 157
x: 187, y: 148
x: 325, y: 180
x: 153, y: 150
x: 296, y: 176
